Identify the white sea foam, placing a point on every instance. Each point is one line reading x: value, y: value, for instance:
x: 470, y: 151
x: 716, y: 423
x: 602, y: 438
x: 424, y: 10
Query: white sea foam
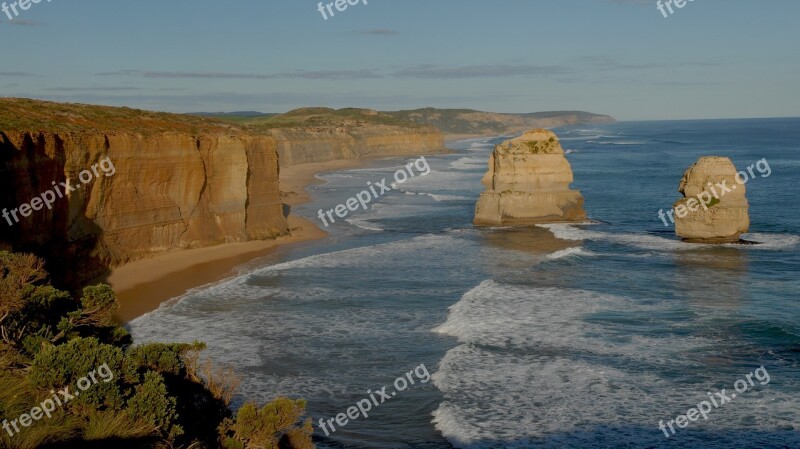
x: 469, y: 162
x: 296, y: 313
x: 644, y: 241
x: 449, y: 197
x: 655, y: 243
x: 570, y: 252
x: 555, y: 368
x: 481, y: 145
x: 364, y: 223
x: 772, y: 241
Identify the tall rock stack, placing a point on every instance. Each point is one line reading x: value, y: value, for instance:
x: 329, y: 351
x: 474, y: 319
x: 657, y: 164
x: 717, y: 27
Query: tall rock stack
x: 714, y: 208
x: 528, y: 183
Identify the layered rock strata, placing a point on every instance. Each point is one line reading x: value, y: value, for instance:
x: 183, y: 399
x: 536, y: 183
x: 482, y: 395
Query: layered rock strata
x: 167, y: 191
x: 714, y: 208
x: 305, y: 145
x: 528, y: 182
x: 179, y: 181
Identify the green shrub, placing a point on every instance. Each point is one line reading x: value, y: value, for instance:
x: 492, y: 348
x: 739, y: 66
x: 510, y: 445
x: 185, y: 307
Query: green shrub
x: 152, y: 405
x: 162, y: 357
x: 57, y: 367
x: 279, y: 422
x: 154, y: 395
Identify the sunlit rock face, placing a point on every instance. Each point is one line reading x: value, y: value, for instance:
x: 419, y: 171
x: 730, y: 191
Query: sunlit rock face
x: 714, y: 208
x: 527, y: 183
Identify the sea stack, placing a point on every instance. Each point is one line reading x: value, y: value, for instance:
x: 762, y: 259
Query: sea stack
x: 528, y: 183
x: 714, y: 207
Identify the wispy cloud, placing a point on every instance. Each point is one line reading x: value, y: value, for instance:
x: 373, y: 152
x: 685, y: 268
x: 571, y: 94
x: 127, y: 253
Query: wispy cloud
x: 303, y: 74
x: 23, y: 22
x: 16, y: 74
x: 378, y: 32
x: 576, y: 70
x: 93, y: 89
x: 480, y: 71
x: 609, y: 64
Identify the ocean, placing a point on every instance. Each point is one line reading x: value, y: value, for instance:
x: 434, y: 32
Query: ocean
x: 558, y: 336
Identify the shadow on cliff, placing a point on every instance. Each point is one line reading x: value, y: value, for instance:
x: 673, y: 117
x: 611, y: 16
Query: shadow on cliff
x: 287, y: 209
x: 63, y: 236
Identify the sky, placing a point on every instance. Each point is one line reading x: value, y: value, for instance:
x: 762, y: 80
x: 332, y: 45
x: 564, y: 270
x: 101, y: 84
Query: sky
x: 710, y: 59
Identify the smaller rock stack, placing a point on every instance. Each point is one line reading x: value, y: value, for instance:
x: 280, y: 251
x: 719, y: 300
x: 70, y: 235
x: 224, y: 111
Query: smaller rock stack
x: 528, y: 183
x: 714, y: 207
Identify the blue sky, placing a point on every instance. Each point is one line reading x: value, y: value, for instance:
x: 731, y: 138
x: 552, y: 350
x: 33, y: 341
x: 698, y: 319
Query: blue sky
x: 711, y: 59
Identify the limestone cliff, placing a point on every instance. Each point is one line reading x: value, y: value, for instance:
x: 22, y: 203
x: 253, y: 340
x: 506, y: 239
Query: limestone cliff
x: 528, y: 182
x: 168, y: 191
x: 304, y: 145
x: 322, y: 134
x: 180, y: 181
x: 714, y: 208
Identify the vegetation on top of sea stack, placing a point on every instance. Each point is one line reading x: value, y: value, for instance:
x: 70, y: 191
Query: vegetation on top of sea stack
x: 154, y: 395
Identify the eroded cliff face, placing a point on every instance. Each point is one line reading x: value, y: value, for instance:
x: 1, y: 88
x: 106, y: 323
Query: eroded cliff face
x: 167, y: 191
x: 528, y: 182
x: 179, y: 181
x: 707, y: 213
x: 304, y: 145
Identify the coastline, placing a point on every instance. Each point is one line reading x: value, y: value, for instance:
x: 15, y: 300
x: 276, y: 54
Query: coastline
x: 142, y: 286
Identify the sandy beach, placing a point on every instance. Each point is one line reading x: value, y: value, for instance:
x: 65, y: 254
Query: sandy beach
x: 142, y: 286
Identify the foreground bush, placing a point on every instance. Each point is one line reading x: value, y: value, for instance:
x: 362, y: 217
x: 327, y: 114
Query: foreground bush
x: 155, y: 395
x: 277, y: 424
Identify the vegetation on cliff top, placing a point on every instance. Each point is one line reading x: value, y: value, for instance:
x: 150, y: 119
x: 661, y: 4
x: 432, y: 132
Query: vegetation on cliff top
x: 472, y: 122
x: 21, y: 114
x: 324, y: 117
x: 449, y: 121
x: 155, y: 395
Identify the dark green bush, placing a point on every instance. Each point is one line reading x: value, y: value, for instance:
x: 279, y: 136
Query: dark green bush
x: 153, y: 395
x: 60, y: 366
x: 153, y: 405
x: 279, y: 422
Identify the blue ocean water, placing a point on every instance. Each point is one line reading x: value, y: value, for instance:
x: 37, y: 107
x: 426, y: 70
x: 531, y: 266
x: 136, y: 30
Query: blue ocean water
x: 558, y: 336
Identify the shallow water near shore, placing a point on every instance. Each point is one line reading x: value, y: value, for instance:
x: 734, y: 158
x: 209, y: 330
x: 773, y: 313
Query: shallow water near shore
x: 554, y: 336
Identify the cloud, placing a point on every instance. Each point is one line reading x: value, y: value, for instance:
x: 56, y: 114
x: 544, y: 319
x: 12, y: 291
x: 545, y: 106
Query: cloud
x: 23, y: 22
x: 608, y: 64
x: 93, y: 89
x: 378, y: 32
x: 303, y: 74
x: 16, y: 74
x: 480, y: 71
x: 579, y: 69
